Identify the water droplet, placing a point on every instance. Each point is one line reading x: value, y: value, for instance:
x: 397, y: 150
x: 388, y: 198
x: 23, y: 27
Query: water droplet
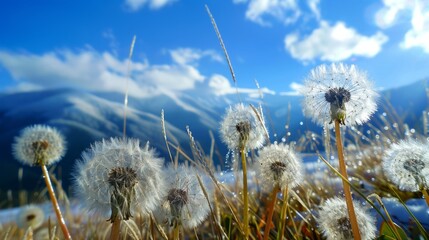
x: 301, y: 123
x: 384, y: 114
x: 283, y: 139
x: 412, y: 130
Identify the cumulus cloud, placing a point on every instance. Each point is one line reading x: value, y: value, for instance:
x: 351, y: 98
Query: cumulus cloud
x: 333, y: 43
x: 286, y: 11
x: 418, y: 35
x: 185, y: 56
x: 415, y: 12
x: 96, y: 71
x: 295, y: 90
x: 153, y: 4
x: 220, y: 85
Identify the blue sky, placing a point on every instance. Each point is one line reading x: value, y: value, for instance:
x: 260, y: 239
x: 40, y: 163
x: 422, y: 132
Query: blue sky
x: 85, y: 44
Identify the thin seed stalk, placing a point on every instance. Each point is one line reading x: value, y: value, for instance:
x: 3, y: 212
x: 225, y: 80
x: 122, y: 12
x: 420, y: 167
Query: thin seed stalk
x: 346, y: 187
x: 116, y: 228
x: 176, y: 231
x: 245, y: 195
x: 54, y: 202
x: 390, y: 221
x: 426, y: 195
x: 283, y: 213
x: 270, y: 212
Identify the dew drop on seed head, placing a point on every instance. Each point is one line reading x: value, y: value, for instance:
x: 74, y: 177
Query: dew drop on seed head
x: 283, y: 139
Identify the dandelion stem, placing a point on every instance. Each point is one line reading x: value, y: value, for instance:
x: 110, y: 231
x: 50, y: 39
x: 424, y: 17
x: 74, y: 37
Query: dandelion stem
x: 54, y: 201
x: 116, y: 228
x: 426, y: 196
x: 283, y: 212
x: 346, y: 187
x: 245, y: 197
x: 176, y: 231
x: 270, y: 210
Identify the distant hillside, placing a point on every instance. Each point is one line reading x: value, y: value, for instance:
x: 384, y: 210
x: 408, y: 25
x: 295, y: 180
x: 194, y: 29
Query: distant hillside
x: 87, y: 117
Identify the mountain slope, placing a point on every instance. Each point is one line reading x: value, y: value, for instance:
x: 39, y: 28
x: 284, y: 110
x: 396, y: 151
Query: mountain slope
x: 87, y: 117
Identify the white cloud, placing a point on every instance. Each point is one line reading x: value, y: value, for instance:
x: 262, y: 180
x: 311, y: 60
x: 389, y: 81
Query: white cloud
x: 153, y: 4
x: 333, y: 43
x: 418, y: 35
x: 95, y: 71
x: 295, y: 87
x: 415, y: 12
x: 220, y: 85
x: 387, y: 16
x: 185, y: 56
x: 286, y: 11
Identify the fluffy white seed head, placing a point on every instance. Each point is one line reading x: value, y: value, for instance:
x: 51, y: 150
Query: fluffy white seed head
x: 184, y: 202
x: 338, y: 92
x: 119, y: 177
x: 333, y: 220
x: 39, y: 145
x: 241, y: 126
x: 30, y: 216
x: 279, y: 166
x: 406, y: 164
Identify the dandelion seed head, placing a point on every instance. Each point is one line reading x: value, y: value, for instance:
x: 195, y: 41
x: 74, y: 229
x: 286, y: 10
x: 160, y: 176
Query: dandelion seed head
x: 334, y: 221
x: 30, y: 216
x: 241, y: 127
x: 184, y: 202
x: 120, y: 177
x: 406, y: 164
x: 338, y: 92
x: 39, y: 145
x: 279, y: 166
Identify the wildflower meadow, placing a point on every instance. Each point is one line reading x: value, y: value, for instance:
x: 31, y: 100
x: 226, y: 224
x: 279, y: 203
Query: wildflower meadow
x: 264, y: 188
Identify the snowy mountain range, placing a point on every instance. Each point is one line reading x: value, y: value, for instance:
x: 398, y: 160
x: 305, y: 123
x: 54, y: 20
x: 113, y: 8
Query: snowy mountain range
x: 85, y: 117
